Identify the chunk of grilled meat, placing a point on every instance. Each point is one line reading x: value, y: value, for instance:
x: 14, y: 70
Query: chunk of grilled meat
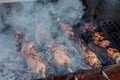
x: 67, y: 29
x: 114, y: 54
x: 27, y: 49
x: 104, y: 43
x: 98, y: 36
x: 60, y: 56
x: 91, y: 59
x: 111, y: 51
x: 35, y: 64
x: 87, y: 27
x: 100, y: 40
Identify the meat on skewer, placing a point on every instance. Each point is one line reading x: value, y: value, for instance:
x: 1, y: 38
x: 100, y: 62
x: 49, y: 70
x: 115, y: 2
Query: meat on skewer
x: 91, y: 59
x: 27, y: 49
x: 114, y: 54
x: 104, y: 43
x: 60, y: 57
x: 89, y: 56
x: 33, y: 61
x: 100, y: 40
x: 35, y: 64
x: 67, y: 29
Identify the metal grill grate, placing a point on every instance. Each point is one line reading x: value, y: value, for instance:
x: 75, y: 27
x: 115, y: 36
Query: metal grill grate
x: 112, y: 31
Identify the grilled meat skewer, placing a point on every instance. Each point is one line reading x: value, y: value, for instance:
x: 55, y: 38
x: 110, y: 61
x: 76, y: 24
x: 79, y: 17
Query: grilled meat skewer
x: 114, y: 54
x: 35, y: 64
x: 60, y: 57
x: 100, y: 40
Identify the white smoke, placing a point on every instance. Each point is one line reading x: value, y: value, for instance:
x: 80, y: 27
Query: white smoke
x: 40, y: 21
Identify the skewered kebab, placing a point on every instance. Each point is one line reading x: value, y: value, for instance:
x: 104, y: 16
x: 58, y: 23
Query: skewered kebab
x: 114, y: 54
x: 58, y: 54
x: 99, y: 40
x: 98, y: 37
x: 91, y: 59
x: 36, y: 64
x: 33, y: 61
x: 89, y: 56
x: 28, y: 53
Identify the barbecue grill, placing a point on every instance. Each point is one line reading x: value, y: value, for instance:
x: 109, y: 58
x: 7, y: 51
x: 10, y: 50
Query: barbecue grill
x: 104, y: 15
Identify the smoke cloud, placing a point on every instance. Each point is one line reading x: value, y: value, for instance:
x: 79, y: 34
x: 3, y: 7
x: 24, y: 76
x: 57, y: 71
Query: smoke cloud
x: 40, y: 22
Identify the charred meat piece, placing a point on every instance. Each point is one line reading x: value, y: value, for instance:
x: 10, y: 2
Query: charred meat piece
x: 60, y: 56
x: 33, y: 61
x: 100, y: 40
x: 98, y: 36
x: 116, y: 57
x: 111, y: 51
x: 87, y: 27
x: 114, y: 54
x: 67, y: 29
x: 91, y: 59
x: 35, y: 64
x: 27, y: 49
x: 89, y: 56
x: 104, y: 43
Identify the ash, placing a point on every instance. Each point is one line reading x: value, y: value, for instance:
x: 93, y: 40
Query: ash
x: 27, y: 16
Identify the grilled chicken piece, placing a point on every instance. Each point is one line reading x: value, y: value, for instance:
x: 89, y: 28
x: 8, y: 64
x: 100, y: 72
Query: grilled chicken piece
x: 91, y: 59
x: 104, y: 43
x: 99, y: 39
x: 60, y: 57
x: 114, y: 54
x: 35, y: 64
x: 67, y: 29
x: 111, y: 51
x: 116, y: 57
x: 98, y: 36
x: 27, y: 49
